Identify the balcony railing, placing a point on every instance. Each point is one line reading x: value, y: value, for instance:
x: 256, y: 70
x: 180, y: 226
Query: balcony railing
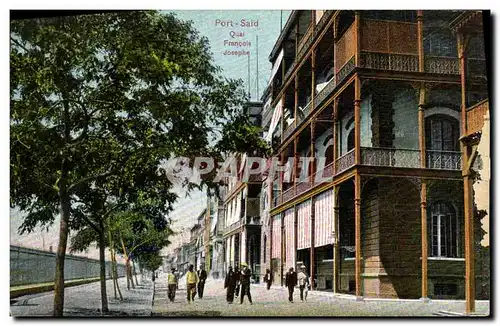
x: 325, y: 173
x: 389, y: 61
x: 303, y: 186
x: 393, y: 157
x: 289, y: 130
x: 324, y: 93
x: 232, y: 227
x: 444, y: 160
x: 288, y: 194
x: 442, y: 65
x: 344, y: 162
x: 475, y: 116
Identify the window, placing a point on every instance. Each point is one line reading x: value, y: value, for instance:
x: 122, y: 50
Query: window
x: 444, y: 230
x: 442, y: 133
x: 440, y: 43
x: 350, y: 140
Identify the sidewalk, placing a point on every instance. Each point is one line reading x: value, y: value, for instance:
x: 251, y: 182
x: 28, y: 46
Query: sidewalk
x: 85, y: 301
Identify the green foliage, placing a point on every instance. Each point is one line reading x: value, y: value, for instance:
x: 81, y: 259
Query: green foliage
x: 98, y: 101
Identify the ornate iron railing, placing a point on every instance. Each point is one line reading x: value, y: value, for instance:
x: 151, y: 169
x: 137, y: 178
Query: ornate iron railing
x: 393, y: 157
x: 324, y: 93
x: 232, y: 227
x: 345, y: 70
x: 302, y: 186
x: 326, y: 172
x: 288, y: 194
x: 302, y: 114
x: 441, y: 65
x: 475, y: 116
x: 288, y: 130
x: 444, y: 160
x: 389, y: 61
x: 344, y: 162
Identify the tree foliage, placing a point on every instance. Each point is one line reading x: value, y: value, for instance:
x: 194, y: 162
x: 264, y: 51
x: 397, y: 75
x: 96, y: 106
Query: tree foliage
x: 97, y: 101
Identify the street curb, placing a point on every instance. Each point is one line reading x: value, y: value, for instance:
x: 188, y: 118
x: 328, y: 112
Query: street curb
x: 49, y: 287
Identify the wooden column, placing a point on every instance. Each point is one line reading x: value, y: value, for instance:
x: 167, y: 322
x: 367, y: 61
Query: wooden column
x: 295, y: 164
x: 296, y: 99
x: 271, y: 244
x: 357, y: 121
x: 282, y: 247
x: 312, y: 167
x: 281, y: 176
x: 425, y: 254
x: 421, y: 125
x: 470, y: 284
x: 295, y: 233
x: 420, y: 37
x: 335, y: 132
x: 336, y: 255
x: 313, y: 79
x: 282, y: 122
x: 357, y: 225
x: 313, y: 263
x: 357, y: 38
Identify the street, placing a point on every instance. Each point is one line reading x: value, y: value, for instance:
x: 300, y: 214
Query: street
x: 275, y: 303
x: 84, y: 301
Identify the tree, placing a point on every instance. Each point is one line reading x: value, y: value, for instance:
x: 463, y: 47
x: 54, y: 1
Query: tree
x: 101, y: 97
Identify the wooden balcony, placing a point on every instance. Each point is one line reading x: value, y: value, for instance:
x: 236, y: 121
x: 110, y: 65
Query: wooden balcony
x: 475, y: 117
x: 345, y: 50
x: 389, y: 45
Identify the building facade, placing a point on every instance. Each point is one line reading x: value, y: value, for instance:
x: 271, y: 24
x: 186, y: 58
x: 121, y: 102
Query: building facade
x: 388, y: 107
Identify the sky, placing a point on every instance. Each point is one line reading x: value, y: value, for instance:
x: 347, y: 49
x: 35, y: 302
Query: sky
x: 232, y: 35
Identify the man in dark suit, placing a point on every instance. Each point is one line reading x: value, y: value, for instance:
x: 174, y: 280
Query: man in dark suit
x: 202, y: 275
x: 246, y: 274
x: 230, y: 285
x: 290, y: 282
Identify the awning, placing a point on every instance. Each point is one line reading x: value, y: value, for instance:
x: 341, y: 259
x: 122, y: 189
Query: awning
x: 276, y: 65
x: 274, y: 122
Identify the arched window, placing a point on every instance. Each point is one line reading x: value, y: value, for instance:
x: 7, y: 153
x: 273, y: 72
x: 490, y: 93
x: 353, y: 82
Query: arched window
x: 443, y: 230
x: 442, y: 133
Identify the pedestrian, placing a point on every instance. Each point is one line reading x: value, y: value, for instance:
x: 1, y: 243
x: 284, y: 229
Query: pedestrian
x: 172, y: 285
x: 237, y: 281
x: 202, y: 276
x: 290, y: 282
x: 230, y: 285
x: 246, y: 274
x: 191, y: 280
x: 268, y: 278
x: 303, y: 280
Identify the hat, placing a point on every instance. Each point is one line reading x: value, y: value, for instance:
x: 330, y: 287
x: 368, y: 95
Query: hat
x: 303, y: 266
x: 244, y: 264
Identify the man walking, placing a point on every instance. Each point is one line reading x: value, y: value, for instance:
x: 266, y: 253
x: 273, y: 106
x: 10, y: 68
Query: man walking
x: 230, y: 285
x: 237, y: 276
x: 172, y: 285
x: 290, y: 282
x: 191, y: 280
x: 268, y: 278
x: 303, y: 279
x: 202, y: 276
x: 246, y: 273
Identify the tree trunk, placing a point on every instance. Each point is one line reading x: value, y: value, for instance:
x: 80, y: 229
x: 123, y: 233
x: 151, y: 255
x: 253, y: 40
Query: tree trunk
x: 61, y: 255
x: 135, y: 274
x: 102, y: 261
x: 130, y: 275
x: 126, y: 261
x: 114, y: 272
